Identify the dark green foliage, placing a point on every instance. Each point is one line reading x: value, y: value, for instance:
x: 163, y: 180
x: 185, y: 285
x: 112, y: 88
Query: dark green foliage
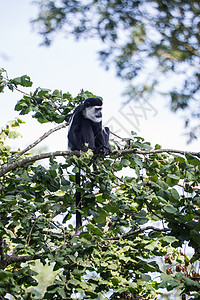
x: 121, y: 248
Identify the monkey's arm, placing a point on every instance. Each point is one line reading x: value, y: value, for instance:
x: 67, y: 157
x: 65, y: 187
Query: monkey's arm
x: 102, y: 139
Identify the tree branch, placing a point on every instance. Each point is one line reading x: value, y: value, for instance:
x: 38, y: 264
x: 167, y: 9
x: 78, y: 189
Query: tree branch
x: 40, y: 139
x: 10, y: 259
x: 156, y: 151
x: 1, y: 249
x: 135, y: 232
x: 10, y: 167
x: 19, y: 163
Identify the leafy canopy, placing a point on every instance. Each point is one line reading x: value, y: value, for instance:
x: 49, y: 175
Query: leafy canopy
x: 139, y: 206
x: 147, y: 42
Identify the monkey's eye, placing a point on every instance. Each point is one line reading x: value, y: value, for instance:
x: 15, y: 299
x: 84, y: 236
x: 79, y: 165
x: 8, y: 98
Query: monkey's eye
x: 98, y: 109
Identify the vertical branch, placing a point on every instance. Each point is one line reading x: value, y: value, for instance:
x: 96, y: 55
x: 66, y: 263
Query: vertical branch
x: 1, y: 249
x: 78, y: 203
x: 32, y: 223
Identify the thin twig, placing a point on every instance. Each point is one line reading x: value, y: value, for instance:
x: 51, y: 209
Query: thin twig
x: 135, y: 232
x: 119, y: 137
x: 196, y: 187
x: 156, y: 151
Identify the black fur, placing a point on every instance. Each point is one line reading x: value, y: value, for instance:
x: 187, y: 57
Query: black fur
x: 86, y: 134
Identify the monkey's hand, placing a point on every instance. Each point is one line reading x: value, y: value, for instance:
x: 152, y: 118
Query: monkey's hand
x: 104, y: 150
x: 84, y: 148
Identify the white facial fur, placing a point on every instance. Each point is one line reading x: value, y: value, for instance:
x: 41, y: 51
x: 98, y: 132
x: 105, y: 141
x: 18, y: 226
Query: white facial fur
x: 91, y: 114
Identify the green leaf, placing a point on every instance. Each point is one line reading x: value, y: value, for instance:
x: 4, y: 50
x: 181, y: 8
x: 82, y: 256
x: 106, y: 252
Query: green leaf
x: 115, y: 281
x: 94, y: 229
x: 164, y: 194
x: 170, y: 209
x: 112, y: 266
x: 125, y: 162
x: 151, y: 246
x: 74, y: 282
x: 189, y: 282
x: 169, y: 239
x: 92, y: 294
x: 2, y: 86
x: 154, y: 178
x: 10, y: 199
x: 23, y: 80
x: 169, y: 281
x: 172, y: 179
x: 145, y: 277
x: 67, y: 217
x: 195, y: 234
x: 117, y: 166
x: 150, y: 268
x: 100, y: 199
x: 137, y: 159
x: 175, y: 194
x: 5, y: 274
x: 121, y: 290
x: 192, y: 160
x: 86, y: 236
x: 61, y: 292
x: 13, y: 134
x: 84, y: 285
x: 162, y: 184
x: 55, y: 207
x: 76, y: 169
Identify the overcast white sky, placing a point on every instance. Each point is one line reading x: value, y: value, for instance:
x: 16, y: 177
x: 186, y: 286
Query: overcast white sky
x: 71, y: 66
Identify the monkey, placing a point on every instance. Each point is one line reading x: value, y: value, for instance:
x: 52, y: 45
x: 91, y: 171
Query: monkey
x: 85, y: 129
x: 86, y: 132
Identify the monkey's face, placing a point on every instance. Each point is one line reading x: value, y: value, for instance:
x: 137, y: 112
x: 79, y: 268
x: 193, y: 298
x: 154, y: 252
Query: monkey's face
x: 93, y: 113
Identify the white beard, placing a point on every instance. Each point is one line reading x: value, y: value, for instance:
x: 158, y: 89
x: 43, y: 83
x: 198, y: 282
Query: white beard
x: 89, y: 113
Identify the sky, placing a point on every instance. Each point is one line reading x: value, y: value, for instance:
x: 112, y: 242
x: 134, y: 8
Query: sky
x: 71, y: 66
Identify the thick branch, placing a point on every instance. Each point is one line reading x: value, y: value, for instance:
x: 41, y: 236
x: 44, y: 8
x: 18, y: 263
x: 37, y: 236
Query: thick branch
x: 7, y: 168
x: 10, y: 259
x: 135, y: 232
x: 19, y: 163
x: 40, y: 139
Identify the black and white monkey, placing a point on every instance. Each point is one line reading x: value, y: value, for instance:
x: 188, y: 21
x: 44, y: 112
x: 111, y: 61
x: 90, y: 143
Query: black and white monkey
x: 86, y: 132
x: 85, y: 129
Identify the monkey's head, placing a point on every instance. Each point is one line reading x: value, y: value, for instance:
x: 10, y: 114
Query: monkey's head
x: 93, y: 109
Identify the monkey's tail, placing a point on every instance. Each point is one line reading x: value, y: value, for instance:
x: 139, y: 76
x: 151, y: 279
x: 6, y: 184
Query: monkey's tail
x: 78, y: 203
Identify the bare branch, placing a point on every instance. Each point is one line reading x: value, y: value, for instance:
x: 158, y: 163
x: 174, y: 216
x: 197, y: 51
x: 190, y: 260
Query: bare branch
x: 119, y: 137
x: 10, y: 259
x: 19, y: 163
x: 156, y: 151
x: 135, y: 232
x: 40, y: 139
